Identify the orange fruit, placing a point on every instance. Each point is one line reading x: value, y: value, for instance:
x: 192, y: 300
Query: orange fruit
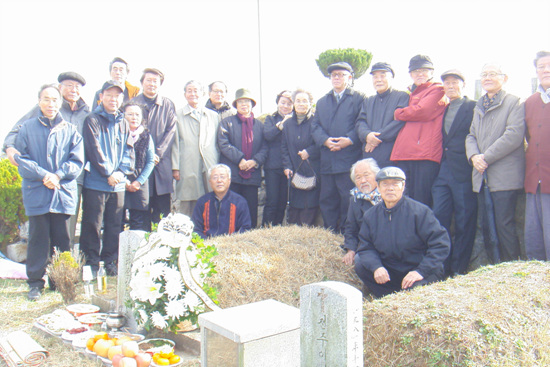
x: 156, y: 356
x: 174, y: 359
x: 90, y: 344
x: 101, y: 335
x: 166, y: 355
x: 163, y: 361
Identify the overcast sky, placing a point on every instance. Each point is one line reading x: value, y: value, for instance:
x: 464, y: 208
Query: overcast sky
x: 211, y: 40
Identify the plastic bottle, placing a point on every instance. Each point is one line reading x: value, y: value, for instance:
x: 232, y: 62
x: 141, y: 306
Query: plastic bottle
x: 102, y: 278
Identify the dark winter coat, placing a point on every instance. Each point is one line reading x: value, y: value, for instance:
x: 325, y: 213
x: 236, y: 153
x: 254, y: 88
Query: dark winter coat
x: 404, y: 238
x: 337, y: 119
x: 454, y: 149
x: 377, y: 115
x: 161, y: 123
x: 296, y: 138
x: 230, y: 146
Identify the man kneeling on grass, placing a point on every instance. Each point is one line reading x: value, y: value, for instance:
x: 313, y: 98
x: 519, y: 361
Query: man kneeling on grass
x: 221, y: 211
x: 51, y: 158
x: 401, y: 243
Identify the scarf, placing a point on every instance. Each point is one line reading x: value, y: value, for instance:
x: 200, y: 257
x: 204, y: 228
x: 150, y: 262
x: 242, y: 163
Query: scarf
x: 135, y: 134
x: 374, y: 196
x: 247, y: 138
x: 544, y: 94
x: 488, y: 102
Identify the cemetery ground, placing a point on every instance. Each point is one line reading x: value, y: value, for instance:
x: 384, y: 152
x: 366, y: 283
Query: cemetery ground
x: 493, y: 316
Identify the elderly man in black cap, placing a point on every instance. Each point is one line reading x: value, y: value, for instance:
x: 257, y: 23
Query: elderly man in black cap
x: 73, y: 109
x: 417, y: 149
x: 401, y: 243
x: 119, y: 70
x: 333, y: 129
x: 109, y: 159
x: 376, y: 125
x: 452, y: 189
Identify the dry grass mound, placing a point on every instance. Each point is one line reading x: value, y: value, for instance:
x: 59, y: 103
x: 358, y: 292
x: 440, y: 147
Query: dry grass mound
x: 495, y: 316
x: 275, y: 262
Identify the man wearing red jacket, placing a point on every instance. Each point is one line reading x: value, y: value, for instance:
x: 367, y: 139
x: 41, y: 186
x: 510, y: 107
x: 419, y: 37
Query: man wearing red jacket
x: 418, y: 147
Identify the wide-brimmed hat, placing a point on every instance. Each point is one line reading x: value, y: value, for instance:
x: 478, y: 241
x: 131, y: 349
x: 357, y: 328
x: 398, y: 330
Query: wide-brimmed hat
x: 243, y: 93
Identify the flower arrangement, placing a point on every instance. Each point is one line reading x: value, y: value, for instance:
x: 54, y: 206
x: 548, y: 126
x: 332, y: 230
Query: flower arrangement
x: 168, y: 274
x: 64, y: 270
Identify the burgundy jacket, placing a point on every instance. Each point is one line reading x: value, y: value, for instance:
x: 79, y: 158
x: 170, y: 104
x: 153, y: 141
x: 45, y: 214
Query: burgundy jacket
x: 537, y: 162
x: 421, y: 138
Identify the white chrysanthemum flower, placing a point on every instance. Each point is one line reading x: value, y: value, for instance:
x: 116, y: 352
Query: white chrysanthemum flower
x: 191, y: 300
x: 156, y: 270
x: 158, y: 320
x: 160, y: 253
x: 175, y: 309
x: 172, y: 273
x: 174, y: 287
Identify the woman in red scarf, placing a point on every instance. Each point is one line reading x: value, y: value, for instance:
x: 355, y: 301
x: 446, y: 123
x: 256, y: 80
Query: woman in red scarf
x: 242, y: 148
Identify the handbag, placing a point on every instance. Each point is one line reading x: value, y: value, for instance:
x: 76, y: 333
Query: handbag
x: 302, y: 182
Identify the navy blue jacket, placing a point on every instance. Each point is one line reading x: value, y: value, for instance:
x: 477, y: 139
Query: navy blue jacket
x: 49, y: 146
x: 356, y: 210
x: 337, y: 119
x: 272, y: 136
x: 230, y: 146
x: 454, y: 148
x: 108, y: 149
x: 377, y: 115
x: 404, y: 238
x: 233, y: 215
x: 296, y: 138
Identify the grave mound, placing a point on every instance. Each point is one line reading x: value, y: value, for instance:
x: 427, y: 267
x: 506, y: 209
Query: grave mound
x: 494, y: 316
x: 273, y: 263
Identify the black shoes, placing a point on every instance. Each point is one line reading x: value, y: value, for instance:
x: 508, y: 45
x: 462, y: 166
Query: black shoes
x: 34, y: 294
x: 111, y: 269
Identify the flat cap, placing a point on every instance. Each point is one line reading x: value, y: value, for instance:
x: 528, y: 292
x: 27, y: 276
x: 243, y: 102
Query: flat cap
x: 453, y: 72
x: 420, y: 62
x: 71, y: 75
x: 390, y: 173
x: 382, y: 66
x: 112, y: 84
x: 342, y: 65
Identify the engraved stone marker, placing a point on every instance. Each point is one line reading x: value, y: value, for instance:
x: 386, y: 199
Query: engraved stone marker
x: 129, y: 242
x: 331, y: 325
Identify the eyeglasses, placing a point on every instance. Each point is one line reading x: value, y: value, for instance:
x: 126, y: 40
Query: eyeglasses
x: 543, y: 67
x: 217, y: 91
x: 338, y: 75
x: 490, y: 75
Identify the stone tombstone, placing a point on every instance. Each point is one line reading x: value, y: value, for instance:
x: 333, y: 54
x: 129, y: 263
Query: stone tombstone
x: 331, y: 322
x: 129, y: 242
x: 260, y: 334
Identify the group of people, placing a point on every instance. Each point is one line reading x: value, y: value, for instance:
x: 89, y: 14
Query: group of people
x: 418, y: 156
